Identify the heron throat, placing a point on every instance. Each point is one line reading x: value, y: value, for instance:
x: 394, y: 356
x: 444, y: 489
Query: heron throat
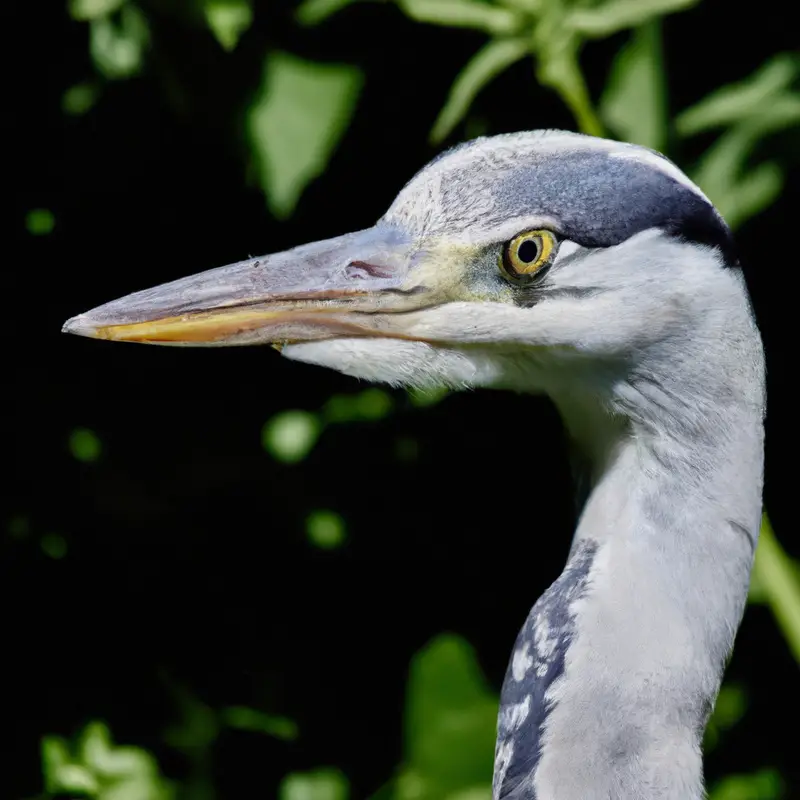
x: 617, y: 667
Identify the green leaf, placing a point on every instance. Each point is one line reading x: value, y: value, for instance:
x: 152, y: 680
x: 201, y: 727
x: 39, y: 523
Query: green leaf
x: 312, y: 12
x: 529, y: 7
x: 474, y: 793
x: 250, y: 719
x: 197, y: 728
x: 719, y: 174
x: 100, y: 769
x: 53, y: 545
x: 729, y: 709
x: 633, y: 105
x: 753, y: 108
x: 778, y: 575
x: 749, y: 99
x: 617, y: 15
x: 40, y: 222
x: 117, y: 49
x: 486, y: 64
x: 79, y: 99
x: 406, y: 449
x: 374, y: 403
x: 766, y: 784
x: 371, y: 404
x: 301, y: 112
x: 83, y: 10
x: 326, y: 529
x: 730, y: 706
x: 291, y: 435
x: 558, y: 68
x: 85, y: 445
x: 491, y: 19
x: 137, y: 788
x: 228, y: 20
x: 451, y: 718
x: 55, y: 756
x: 110, y: 762
x: 75, y: 779
x: 320, y: 784
x: 757, y: 594
x: 756, y: 191
x: 19, y: 526
x: 422, y: 398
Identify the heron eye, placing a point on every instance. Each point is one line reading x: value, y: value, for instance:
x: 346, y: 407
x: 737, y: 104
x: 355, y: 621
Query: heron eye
x: 527, y: 255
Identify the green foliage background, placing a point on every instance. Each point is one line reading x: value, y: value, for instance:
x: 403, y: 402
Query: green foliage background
x: 292, y: 126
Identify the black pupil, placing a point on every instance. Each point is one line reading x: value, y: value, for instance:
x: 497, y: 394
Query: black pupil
x: 528, y: 251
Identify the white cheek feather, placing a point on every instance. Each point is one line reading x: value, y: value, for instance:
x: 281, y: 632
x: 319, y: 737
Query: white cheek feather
x: 397, y: 362
x: 567, y: 248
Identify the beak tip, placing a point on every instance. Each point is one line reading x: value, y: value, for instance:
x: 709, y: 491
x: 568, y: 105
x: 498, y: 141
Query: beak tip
x: 79, y: 326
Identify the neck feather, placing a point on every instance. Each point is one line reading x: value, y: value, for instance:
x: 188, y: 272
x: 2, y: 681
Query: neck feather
x: 619, y: 663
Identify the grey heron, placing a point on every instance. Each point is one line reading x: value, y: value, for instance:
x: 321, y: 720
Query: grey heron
x: 597, y: 273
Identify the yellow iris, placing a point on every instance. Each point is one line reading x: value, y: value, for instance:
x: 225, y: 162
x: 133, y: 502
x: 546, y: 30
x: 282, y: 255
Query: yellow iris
x: 527, y: 254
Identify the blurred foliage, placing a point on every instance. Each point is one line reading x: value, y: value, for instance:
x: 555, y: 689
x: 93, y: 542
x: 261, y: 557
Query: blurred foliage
x: 80, y: 98
x: 321, y: 784
x: 53, y: 545
x: 84, y: 445
x: 294, y: 124
x: 451, y: 718
x: 746, y: 112
x: 634, y: 102
x: 295, y: 121
x: 766, y: 784
x: 291, y: 435
x: 326, y: 529
x: 19, y: 527
x: 250, y: 719
x: 551, y: 31
x: 93, y: 767
x: 117, y: 45
x: 228, y: 19
x: 730, y: 708
x: 776, y: 582
x: 40, y: 222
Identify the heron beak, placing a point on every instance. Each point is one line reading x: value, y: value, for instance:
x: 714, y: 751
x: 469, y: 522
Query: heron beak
x: 336, y: 287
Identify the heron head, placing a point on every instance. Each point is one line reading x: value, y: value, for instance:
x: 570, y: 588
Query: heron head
x: 500, y: 262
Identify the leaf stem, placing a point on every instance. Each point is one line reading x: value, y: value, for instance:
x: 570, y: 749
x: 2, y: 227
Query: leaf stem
x: 576, y: 97
x: 559, y: 68
x: 781, y: 585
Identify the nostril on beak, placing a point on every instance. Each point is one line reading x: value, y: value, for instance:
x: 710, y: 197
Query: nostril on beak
x: 363, y: 269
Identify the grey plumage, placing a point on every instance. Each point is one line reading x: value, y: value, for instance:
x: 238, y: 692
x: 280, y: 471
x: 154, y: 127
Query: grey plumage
x: 570, y: 186
x: 537, y: 662
x: 640, y: 331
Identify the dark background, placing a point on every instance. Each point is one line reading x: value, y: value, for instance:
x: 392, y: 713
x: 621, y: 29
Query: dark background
x: 186, y: 550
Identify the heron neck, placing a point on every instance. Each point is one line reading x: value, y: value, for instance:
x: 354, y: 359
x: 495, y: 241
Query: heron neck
x: 665, y: 543
x: 618, y: 665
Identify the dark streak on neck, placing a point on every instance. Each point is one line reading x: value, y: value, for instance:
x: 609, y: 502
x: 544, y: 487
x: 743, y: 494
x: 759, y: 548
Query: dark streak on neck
x: 539, y: 657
